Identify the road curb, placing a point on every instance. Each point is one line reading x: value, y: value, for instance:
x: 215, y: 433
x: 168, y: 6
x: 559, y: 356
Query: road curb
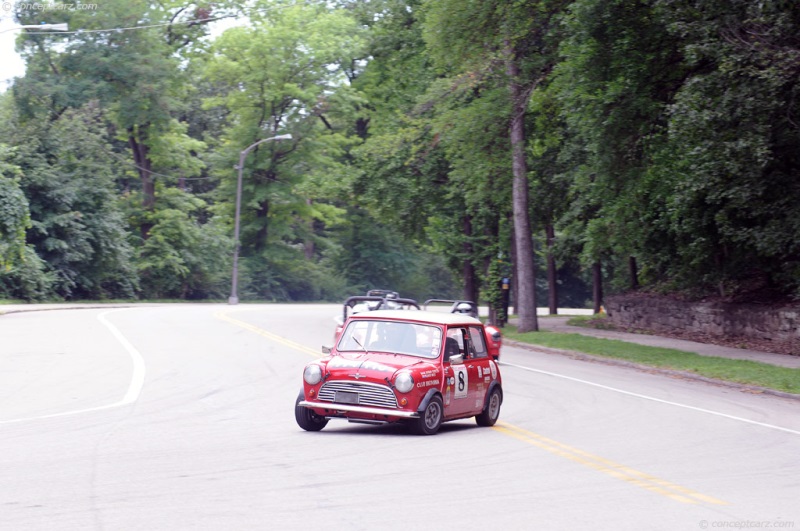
x: 745, y: 388
x: 34, y: 308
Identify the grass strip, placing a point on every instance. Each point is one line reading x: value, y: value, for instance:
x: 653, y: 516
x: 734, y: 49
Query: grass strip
x: 739, y: 371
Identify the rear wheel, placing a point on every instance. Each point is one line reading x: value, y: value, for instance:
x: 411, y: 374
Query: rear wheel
x: 306, y: 418
x: 491, y: 412
x: 431, y: 418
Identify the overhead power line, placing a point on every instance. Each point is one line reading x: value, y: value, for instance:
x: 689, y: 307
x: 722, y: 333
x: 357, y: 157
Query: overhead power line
x: 196, y: 21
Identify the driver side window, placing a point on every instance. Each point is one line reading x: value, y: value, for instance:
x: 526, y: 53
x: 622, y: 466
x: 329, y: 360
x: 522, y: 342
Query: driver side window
x: 455, y: 336
x: 477, y: 343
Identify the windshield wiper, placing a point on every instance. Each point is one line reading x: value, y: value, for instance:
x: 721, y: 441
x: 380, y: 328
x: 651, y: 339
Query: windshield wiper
x: 360, y: 345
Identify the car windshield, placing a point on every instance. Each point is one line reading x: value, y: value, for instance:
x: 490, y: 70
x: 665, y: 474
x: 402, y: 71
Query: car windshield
x: 413, y: 339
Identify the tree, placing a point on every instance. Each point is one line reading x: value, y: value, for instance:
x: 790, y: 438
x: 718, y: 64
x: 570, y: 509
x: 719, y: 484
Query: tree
x: 732, y: 193
x: 619, y: 72
x: 285, y: 74
x: 182, y: 258
x: 403, y: 174
x: 515, y: 44
x: 134, y: 71
x: 550, y: 176
x: 14, y: 214
x: 77, y: 226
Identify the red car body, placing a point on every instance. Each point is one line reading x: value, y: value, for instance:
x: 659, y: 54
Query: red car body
x: 494, y: 340
x: 418, y: 367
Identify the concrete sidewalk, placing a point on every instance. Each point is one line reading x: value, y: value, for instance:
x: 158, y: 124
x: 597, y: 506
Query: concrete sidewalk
x: 559, y: 324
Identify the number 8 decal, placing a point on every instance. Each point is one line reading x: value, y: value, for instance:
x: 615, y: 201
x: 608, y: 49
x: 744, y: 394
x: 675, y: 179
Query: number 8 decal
x: 462, y: 381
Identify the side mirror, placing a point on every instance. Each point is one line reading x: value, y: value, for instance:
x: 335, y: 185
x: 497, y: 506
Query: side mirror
x: 326, y: 349
x: 457, y: 360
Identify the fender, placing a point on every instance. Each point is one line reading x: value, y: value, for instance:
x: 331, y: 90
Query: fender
x: 492, y: 385
x: 424, y: 403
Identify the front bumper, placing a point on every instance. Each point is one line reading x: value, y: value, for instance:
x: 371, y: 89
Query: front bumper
x: 349, y: 408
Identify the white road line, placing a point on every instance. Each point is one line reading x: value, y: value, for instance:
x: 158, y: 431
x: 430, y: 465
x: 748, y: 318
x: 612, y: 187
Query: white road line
x: 653, y: 399
x: 134, y: 388
x: 139, y: 370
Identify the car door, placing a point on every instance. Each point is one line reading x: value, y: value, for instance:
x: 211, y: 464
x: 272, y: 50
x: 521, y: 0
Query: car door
x: 457, y: 377
x: 480, y: 368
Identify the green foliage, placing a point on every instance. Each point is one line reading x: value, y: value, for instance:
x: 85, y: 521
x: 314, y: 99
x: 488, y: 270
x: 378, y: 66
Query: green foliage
x: 659, y: 130
x: 131, y: 72
x: 14, y: 214
x: 402, y: 178
x: 76, y: 225
x: 430, y: 278
x: 680, y: 121
x: 475, y: 35
x: 499, y: 269
x: 286, y: 73
x: 284, y: 275
x: 613, y: 85
x: 27, y: 278
x: 732, y: 209
x: 437, y: 171
x: 181, y: 258
x: 374, y: 255
x: 177, y: 152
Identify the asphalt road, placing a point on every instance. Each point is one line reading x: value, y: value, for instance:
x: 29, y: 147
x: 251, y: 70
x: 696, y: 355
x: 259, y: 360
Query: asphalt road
x: 180, y: 417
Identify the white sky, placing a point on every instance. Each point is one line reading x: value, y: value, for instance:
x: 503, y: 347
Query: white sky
x: 11, y: 64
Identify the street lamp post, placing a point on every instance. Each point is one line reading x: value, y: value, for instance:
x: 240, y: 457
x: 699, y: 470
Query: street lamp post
x: 234, y: 298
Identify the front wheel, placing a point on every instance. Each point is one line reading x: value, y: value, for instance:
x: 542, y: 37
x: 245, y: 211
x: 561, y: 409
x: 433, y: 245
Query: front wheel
x: 491, y: 412
x: 431, y: 418
x: 306, y: 418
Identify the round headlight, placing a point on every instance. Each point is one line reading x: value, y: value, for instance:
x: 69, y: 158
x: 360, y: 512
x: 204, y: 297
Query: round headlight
x: 404, y: 382
x: 312, y: 374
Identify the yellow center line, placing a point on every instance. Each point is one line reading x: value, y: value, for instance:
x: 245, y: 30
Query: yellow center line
x: 606, y: 466
x: 269, y: 335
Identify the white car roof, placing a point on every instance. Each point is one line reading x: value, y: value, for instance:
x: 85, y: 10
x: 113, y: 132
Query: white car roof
x: 421, y: 316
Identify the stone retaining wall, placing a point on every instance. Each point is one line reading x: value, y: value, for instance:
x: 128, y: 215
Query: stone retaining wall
x: 746, y: 321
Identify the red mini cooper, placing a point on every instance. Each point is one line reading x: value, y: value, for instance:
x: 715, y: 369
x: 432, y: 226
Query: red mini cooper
x: 418, y: 367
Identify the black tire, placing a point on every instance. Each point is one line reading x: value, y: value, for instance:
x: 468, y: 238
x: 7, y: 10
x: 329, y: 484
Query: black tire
x: 491, y: 412
x: 306, y: 418
x: 431, y: 418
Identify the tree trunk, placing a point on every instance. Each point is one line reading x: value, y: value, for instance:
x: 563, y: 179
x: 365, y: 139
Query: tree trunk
x: 468, y: 269
x: 308, y: 245
x: 633, y: 268
x: 143, y: 165
x: 513, y: 258
x: 263, y: 231
x: 597, y: 287
x: 523, y: 239
x: 552, y: 273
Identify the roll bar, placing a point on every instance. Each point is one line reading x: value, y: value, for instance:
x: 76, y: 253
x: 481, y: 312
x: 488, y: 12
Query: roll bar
x: 473, y: 308
x: 381, y: 303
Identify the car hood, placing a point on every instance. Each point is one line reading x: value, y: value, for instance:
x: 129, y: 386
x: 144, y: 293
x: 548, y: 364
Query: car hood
x: 372, y: 365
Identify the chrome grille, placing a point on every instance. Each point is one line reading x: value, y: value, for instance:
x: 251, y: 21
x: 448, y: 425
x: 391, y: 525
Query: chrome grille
x: 368, y: 394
